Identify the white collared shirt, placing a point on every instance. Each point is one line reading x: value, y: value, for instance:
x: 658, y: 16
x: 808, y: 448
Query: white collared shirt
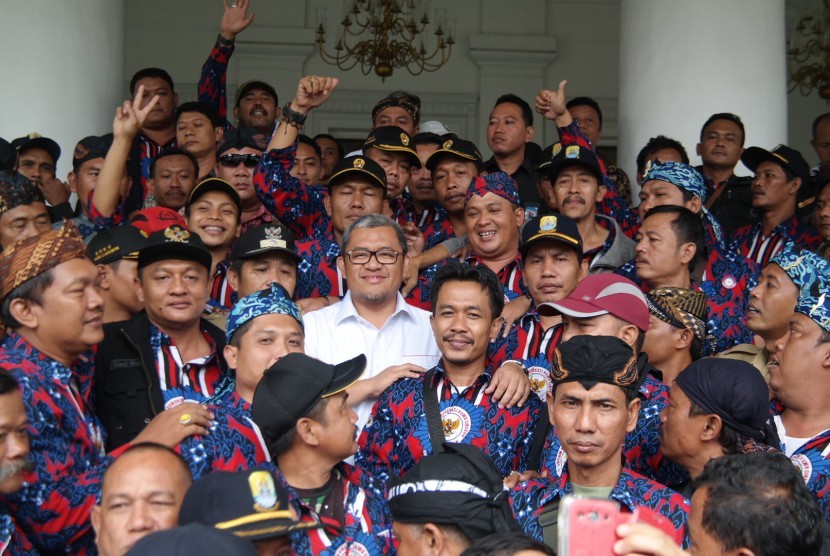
x: 337, y: 333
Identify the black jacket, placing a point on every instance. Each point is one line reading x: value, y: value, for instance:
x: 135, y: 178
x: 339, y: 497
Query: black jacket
x: 127, y: 390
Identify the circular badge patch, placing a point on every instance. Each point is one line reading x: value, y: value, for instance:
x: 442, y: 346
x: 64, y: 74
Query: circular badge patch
x: 539, y: 381
x: 456, y: 422
x: 729, y: 282
x: 560, y: 461
x: 352, y: 549
x: 803, y: 464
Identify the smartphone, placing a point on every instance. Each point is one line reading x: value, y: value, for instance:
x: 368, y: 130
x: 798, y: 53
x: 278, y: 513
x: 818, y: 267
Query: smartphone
x: 587, y: 526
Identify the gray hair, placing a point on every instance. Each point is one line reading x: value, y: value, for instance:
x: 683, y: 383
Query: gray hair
x: 373, y: 221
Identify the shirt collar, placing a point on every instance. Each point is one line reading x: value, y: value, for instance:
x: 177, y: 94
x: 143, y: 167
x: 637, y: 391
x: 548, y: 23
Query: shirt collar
x: 346, y: 309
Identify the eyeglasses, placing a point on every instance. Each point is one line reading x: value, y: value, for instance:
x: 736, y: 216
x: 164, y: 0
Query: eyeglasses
x: 234, y: 160
x: 362, y: 256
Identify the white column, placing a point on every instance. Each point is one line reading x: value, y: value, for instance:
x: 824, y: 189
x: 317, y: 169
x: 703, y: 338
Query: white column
x: 62, y: 70
x: 681, y: 62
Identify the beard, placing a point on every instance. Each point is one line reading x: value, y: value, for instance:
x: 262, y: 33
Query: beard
x: 15, y: 468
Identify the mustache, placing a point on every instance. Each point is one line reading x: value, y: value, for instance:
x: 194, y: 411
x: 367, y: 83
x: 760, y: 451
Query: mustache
x: 449, y: 337
x: 15, y: 468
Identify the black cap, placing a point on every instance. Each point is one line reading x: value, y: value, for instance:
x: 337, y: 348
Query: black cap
x: 546, y: 156
x: 263, y: 239
x: 194, y: 539
x: 782, y: 155
x: 37, y: 141
x: 459, y: 148
x: 241, y: 138
x: 392, y: 139
x: 573, y: 155
x: 113, y: 244
x: 90, y: 148
x: 250, y: 504
x: 291, y: 386
x: 214, y: 184
x: 249, y: 85
x: 552, y: 227
x: 176, y: 243
x: 8, y: 156
x: 358, y: 166
x: 17, y: 190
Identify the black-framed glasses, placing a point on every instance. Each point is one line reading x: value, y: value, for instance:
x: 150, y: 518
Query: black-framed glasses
x: 362, y: 256
x: 234, y: 160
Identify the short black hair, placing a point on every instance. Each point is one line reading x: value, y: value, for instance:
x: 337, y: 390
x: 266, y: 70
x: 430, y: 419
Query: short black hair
x: 527, y: 113
x: 505, y: 544
x: 151, y: 72
x: 30, y: 290
x: 341, y: 152
x: 687, y: 227
x: 659, y: 143
x: 748, y: 492
x: 426, y: 138
x: 306, y: 140
x: 728, y: 439
x: 8, y: 383
x: 174, y: 151
x: 586, y: 101
x: 202, y: 108
x: 279, y: 446
x: 728, y: 116
x: 455, y: 271
x: 820, y: 118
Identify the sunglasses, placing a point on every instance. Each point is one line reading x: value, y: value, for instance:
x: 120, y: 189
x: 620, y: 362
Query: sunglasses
x: 234, y: 160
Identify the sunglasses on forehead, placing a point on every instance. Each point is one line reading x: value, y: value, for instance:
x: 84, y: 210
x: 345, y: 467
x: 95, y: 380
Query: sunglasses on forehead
x: 234, y: 160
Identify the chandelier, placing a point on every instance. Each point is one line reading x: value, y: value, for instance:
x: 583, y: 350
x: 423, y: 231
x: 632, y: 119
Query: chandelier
x: 380, y: 35
x: 809, y: 55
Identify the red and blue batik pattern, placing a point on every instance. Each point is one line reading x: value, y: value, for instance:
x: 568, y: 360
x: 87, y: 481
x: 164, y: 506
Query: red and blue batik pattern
x: 67, y: 449
x: 396, y: 436
x: 612, y: 204
x: 632, y: 491
x: 368, y: 527
x: 234, y: 442
x: 182, y: 380
x: 641, y: 448
x: 751, y: 243
x: 213, y: 80
x: 317, y: 273
x: 12, y: 540
x: 221, y: 292
x: 727, y: 282
x: 296, y: 204
x: 812, y: 460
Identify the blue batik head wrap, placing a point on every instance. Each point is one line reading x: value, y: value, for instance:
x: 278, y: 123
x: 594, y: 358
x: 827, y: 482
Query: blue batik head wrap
x: 273, y: 300
x: 813, y: 300
x: 800, y: 265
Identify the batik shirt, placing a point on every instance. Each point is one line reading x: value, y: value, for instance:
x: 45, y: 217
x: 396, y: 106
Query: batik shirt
x: 194, y: 380
x: 368, y: 523
x: 297, y: 205
x: 751, y: 243
x: 632, y: 491
x: 12, y: 541
x: 641, y: 448
x: 260, y: 217
x: 212, y: 85
x: 397, y: 436
x: 727, y: 281
x: 317, y: 272
x: 234, y: 442
x: 221, y: 292
x: 812, y: 460
x: 67, y: 449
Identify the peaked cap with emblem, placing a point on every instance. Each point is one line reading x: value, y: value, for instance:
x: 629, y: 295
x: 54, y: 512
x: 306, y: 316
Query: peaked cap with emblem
x: 552, y: 227
x: 114, y: 244
x: 391, y: 138
x: 263, y: 239
x: 565, y: 156
x: 361, y: 167
x: 174, y: 243
x: 455, y: 147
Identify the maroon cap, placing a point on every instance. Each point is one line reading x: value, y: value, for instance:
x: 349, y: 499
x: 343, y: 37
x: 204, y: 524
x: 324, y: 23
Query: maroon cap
x: 603, y: 294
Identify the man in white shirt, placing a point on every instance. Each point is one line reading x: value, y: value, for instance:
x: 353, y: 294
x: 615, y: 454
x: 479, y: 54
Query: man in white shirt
x: 373, y: 318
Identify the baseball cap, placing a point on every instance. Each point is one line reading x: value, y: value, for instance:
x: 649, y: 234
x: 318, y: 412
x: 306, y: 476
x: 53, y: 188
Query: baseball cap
x: 37, y: 141
x: 358, y: 166
x: 603, y: 294
x: 214, y: 184
x: 241, y: 138
x: 154, y: 219
x: 263, y: 239
x: 194, y: 539
x: 459, y: 148
x: 572, y: 155
x: 90, y: 148
x: 291, y: 387
x: 552, y: 227
x: 251, y: 85
x: 8, y: 155
x: 391, y: 138
x: 782, y: 155
x: 250, y: 504
x: 176, y: 243
x: 113, y: 244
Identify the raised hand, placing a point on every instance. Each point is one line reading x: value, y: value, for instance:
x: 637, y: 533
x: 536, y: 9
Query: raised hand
x: 129, y: 120
x: 551, y: 104
x: 235, y: 19
x: 312, y: 91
